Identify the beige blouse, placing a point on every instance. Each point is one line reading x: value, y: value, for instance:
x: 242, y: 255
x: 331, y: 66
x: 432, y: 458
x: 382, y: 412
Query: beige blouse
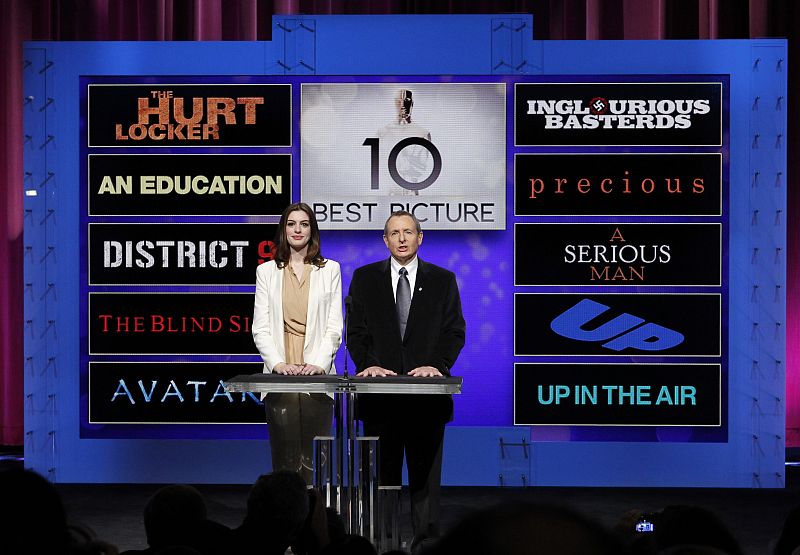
x: 295, y: 310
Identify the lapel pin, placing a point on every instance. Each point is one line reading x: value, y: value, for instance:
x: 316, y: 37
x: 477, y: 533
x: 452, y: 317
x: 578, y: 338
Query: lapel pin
x: 420, y: 289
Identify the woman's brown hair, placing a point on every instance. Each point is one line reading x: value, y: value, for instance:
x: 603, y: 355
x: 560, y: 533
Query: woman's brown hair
x: 283, y: 250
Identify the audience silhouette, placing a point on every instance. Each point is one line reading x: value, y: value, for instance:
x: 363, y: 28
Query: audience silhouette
x: 789, y: 541
x: 679, y: 530
x: 283, y: 516
x: 32, y: 517
x: 522, y: 528
x: 175, y: 517
x: 277, y: 508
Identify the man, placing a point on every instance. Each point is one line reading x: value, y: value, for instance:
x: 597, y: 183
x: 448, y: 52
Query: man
x: 406, y: 320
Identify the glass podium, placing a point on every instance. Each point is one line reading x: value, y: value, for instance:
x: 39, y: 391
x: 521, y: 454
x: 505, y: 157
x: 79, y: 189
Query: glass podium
x: 346, y: 464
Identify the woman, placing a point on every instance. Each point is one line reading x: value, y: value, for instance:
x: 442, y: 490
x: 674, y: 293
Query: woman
x: 297, y: 327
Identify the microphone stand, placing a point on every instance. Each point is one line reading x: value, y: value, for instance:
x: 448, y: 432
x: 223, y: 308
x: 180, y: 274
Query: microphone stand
x: 348, y: 300
x: 345, y: 435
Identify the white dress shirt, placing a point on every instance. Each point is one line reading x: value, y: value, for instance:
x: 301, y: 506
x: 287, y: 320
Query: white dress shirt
x: 411, y: 268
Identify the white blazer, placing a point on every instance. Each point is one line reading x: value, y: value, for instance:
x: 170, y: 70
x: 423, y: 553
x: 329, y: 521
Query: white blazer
x: 323, y: 320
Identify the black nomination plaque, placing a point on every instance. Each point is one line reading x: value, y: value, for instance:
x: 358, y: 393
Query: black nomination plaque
x: 177, y: 115
x: 177, y: 254
x: 171, y: 323
x: 171, y: 393
x: 640, y: 324
x: 608, y: 114
x: 617, y: 394
x: 189, y: 184
x: 618, y: 184
x: 620, y: 254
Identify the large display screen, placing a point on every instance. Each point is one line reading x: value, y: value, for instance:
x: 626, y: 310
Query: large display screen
x: 434, y: 149
x: 585, y: 219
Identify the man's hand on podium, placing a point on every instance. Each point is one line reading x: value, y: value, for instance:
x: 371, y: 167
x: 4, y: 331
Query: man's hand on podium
x: 375, y: 372
x: 425, y: 372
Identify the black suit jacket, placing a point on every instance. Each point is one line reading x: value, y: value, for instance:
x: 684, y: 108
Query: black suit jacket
x: 434, y: 336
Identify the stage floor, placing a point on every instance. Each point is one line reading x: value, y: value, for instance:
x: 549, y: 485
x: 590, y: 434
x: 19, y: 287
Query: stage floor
x: 754, y: 516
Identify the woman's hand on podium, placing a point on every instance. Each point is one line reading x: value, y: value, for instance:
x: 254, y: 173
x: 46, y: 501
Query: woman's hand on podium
x: 288, y: 369
x: 311, y: 369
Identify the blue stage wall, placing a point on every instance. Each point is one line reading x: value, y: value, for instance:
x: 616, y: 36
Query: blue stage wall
x: 752, y: 455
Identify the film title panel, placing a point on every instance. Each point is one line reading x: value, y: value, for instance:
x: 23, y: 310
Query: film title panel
x: 617, y: 394
x: 608, y: 114
x: 171, y: 393
x: 170, y: 115
x: 619, y: 254
x: 638, y: 324
x: 171, y: 323
x: 189, y: 185
x: 437, y: 150
x: 618, y: 184
x: 178, y: 254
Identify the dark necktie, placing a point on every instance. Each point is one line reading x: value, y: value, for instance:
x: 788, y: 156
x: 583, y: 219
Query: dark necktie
x: 403, y: 300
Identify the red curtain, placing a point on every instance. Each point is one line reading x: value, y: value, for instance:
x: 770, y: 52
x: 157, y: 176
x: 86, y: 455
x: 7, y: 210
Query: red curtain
x: 131, y: 20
